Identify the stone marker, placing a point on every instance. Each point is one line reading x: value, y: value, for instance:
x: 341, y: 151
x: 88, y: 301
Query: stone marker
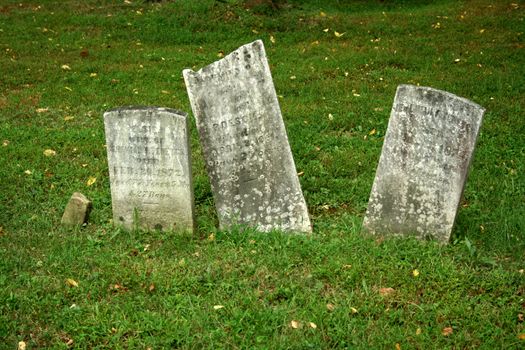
x: 149, y: 168
x: 248, y: 158
x: 77, y: 210
x: 424, y: 164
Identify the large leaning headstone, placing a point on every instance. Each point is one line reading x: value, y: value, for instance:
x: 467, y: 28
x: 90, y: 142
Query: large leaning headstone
x: 149, y: 168
x: 249, y: 161
x: 424, y: 164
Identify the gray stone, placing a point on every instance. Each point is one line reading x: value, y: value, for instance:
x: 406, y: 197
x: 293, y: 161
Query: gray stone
x: 149, y: 168
x: 77, y: 210
x: 248, y: 158
x: 424, y: 164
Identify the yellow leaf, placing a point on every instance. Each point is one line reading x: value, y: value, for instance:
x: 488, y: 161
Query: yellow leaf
x: 5, y: 143
x: 272, y: 39
x: 65, y: 67
x: 152, y: 287
x: 254, y: 31
x: 372, y: 132
x: 312, y: 325
x: 91, y: 180
x: 386, y: 291
x: 322, y: 14
x: 482, y: 31
x: 22, y: 345
x: 337, y: 34
x: 68, y: 118
x: 71, y: 282
x: 398, y: 346
x: 165, y: 92
x: 415, y: 273
x: 418, y: 331
x: 218, y: 307
x: 330, y: 116
x: 68, y: 88
x: 354, y: 310
x: 293, y: 77
x: 326, y: 30
x: 93, y: 75
x: 295, y: 324
x: 330, y: 307
x: 521, y: 336
x: 50, y: 153
x: 211, y: 237
x: 447, y: 331
x: 220, y: 54
x: 28, y: 172
x: 42, y: 110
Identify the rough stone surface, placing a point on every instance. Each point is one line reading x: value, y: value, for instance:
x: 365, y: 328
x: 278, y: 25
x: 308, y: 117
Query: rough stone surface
x: 248, y: 158
x: 424, y: 164
x: 77, y: 210
x: 149, y: 168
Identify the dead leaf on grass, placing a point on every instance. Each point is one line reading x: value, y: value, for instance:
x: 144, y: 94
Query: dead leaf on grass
x: 386, y: 291
x: 447, y: 331
x: 295, y: 324
x: 71, y: 282
x: 330, y: 307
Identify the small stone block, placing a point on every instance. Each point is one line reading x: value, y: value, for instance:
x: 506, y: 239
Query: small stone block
x: 424, y: 163
x: 77, y: 210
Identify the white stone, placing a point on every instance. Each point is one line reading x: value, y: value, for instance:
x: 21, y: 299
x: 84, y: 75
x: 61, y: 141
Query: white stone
x: 149, y: 168
x: 246, y: 148
x: 424, y: 164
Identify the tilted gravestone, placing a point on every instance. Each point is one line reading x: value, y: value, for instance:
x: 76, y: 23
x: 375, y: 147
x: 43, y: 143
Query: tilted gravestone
x: 248, y: 158
x: 424, y: 164
x: 149, y: 168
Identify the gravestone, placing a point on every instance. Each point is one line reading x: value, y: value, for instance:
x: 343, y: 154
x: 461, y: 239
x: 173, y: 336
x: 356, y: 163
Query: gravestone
x: 149, y: 168
x: 424, y: 164
x: 77, y: 210
x: 248, y: 158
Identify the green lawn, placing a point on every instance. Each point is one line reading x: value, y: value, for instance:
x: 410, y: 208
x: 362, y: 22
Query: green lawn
x: 63, y: 63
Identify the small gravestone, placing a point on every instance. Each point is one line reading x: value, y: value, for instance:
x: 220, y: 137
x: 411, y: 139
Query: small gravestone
x: 149, y: 168
x: 77, y: 210
x: 248, y: 158
x: 424, y: 164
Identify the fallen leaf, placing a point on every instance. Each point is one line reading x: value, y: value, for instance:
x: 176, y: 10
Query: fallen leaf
x: 330, y: 116
x: 50, y: 153
x: 91, y: 180
x: 218, y: 307
x: 165, y: 92
x: 457, y: 60
x: 5, y: 143
x: 65, y: 67
x: 521, y: 336
x: 372, y: 132
x: 71, y: 282
x: 447, y: 331
x: 220, y: 54
x: 520, y: 316
x: 415, y: 273
x: 151, y: 287
x: 293, y: 77
x: 68, y: 88
x: 28, y: 172
x: 295, y: 324
x: 211, y: 237
x: 272, y: 39
x: 481, y: 31
x: 330, y: 307
x: 418, y: 331
x: 322, y: 14
x: 68, y: 118
x: 93, y: 75
x: 42, y: 110
x: 354, y: 310
x: 182, y: 262
x: 21, y: 345
x: 326, y: 30
x: 300, y: 173
x: 386, y: 291
x: 398, y: 346
x: 337, y: 34
x: 312, y: 325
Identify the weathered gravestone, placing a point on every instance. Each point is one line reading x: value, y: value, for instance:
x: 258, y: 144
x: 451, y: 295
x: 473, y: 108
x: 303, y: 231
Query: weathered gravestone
x: 424, y: 164
x: 248, y: 158
x: 149, y: 168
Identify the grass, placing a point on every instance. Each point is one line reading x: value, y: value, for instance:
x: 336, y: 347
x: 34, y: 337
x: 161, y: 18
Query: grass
x: 65, y: 63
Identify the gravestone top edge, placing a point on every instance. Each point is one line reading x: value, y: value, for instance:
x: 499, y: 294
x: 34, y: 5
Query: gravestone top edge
x: 145, y: 108
x: 449, y: 95
x: 210, y: 66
